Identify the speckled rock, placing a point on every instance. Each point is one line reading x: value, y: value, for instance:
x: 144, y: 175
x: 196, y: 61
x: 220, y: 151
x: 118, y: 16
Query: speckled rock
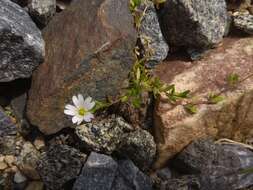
x: 219, y: 165
x: 197, y: 24
x: 7, y: 126
x: 243, y: 21
x: 140, y: 147
x: 175, y: 128
x: 27, y: 160
x: 42, y: 11
x: 60, y: 164
x: 103, y: 135
x: 150, y: 30
x: 101, y: 172
x: 94, y: 62
x: 21, y: 43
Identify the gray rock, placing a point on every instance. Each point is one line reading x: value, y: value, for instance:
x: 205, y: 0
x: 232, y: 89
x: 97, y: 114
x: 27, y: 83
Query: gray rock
x: 196, y: 24
x: 42, y: 11
x: 183, y: 183
x: 101, y: 172
x: 18, y: 105
x: 140, y: 147
x: 243, y: 21
x: 219, y: 166
x: 60, y: 164
x: 130, y: 177
x: 150, y: 29
x: 103, y: 135
x: 98, y: 173
x: 21, y: 43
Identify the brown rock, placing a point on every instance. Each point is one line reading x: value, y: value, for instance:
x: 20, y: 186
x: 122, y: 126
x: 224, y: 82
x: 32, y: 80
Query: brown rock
x: 88, y: 51
x: 232, y: 118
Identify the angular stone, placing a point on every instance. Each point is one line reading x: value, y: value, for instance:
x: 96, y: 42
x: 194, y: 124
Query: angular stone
x: 219, y: 165
x: 232, y: 118
x: 193, y: 24
x: 21, y: 43
x: 59, y: 165
x: 150, y: 30
x: 101, y: 172
x: 98, y: 173
x: 104, y: 135
x: 140, y: 147
x: 27, y: 160
x: 93, y: 54
x: 42, y: 11
x: 243, y: 21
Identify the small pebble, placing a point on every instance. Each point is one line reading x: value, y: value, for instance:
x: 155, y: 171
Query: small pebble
x: 19, y: 177
x: 3, y: 166
x: 10, y: 159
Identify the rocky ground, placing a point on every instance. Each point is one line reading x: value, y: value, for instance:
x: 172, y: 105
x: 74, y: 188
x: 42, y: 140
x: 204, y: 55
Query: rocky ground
x: 52, y: 50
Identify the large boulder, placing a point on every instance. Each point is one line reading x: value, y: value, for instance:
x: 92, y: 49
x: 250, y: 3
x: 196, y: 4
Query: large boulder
x: 231, y: 118
x: 91, y: 56
x: 196, y: 24
x: 21, y: 43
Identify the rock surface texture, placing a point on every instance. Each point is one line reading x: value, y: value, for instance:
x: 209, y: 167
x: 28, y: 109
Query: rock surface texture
x: 59, y: 165
x: 231, y: 118
x: 243, y: 21
x: 21, y: 43
x: 219, y: 166
x: 42, y: 11
x: 150, y: 30
x: 101, y: 172
x: 193, y: 24
x: 94, y: 62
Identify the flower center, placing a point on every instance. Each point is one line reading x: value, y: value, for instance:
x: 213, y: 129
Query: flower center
x: 82, y: 111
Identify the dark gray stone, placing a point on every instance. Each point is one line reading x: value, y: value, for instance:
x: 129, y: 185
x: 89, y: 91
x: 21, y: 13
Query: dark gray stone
x: 42, y: 11
x: 150, y: 30
x: 243, y: 22
x: 98, y: 173
x: 183, y: 183
x: 196, y: 24
x: 59, y: 165
x: 18, y: 105
x: 103, y: 135
x: 21, y: 43
x: 101, y: 172
x: 140, y: 147
x: 218, y: 165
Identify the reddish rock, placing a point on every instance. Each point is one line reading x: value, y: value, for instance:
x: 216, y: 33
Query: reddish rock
x: 88, y: 51
x: 232, y: 118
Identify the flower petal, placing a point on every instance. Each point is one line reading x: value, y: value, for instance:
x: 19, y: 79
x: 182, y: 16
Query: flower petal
x: 70, y: 112
x: 75, y: 119
x: 88, y: 103
x: 88, y: 117
x: 70, y: 107
x: 80, y: 99
x: 76, y: 101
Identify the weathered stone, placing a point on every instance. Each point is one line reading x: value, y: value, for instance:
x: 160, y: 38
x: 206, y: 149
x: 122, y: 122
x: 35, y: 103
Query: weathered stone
x: 98, y: 173
x: 101, y: 172
x: 59, y: 165
x: 27, y: 160
x: 243, y: 21
x: 140, y: 147
x: 94, y: 62
x: 150, y: 30
x: 42, y: 11
x: 175, y: 128
x: 18, y: 105
x: 193, y: 24
x: 219, y: 165
x: 19, y: 177
x: 21, y: 43
x: 183, y: 183
x: 103, y: 135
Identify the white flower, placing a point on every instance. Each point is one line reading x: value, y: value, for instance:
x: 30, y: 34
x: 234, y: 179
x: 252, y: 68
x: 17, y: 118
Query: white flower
x: 81, y: 111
